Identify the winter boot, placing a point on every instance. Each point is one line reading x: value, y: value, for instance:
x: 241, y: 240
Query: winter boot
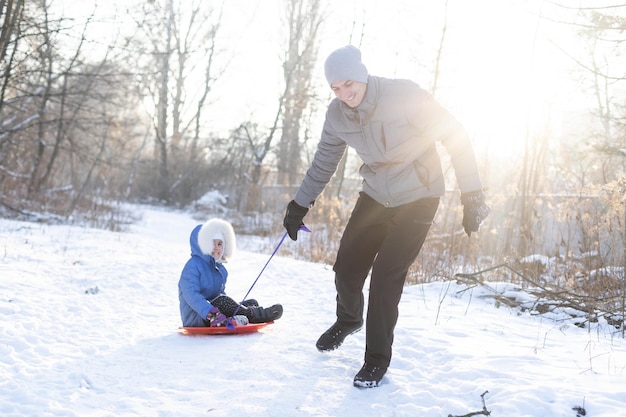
x: 369, y: 376
x: 332, y: 338
x: 265, y: 315
x: 251, y: 302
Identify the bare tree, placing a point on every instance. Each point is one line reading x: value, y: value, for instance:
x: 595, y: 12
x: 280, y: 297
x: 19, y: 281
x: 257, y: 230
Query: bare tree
x: 182, y: 39
x: 304, y: 18
x: 64, y: 115
x: 440, y: 50
x: 11, y: 14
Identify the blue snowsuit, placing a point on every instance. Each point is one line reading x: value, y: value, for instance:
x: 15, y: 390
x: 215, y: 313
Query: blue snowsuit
x: 202, y: 279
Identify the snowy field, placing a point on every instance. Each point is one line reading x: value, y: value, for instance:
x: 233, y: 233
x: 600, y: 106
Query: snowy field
x: 89, y: 327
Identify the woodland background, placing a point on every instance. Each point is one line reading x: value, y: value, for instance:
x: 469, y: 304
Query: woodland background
x: 183, y: 103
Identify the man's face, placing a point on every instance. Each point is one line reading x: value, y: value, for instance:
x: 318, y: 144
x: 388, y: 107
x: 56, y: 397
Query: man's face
x: 350, y: 92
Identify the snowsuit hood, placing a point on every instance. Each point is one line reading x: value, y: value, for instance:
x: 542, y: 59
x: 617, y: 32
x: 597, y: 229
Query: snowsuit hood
x: 215, y: 229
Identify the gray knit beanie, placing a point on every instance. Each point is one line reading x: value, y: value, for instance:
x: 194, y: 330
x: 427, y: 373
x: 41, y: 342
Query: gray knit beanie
x: 345, y: 64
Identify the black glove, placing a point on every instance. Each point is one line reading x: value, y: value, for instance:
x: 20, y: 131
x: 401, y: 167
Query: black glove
x: 474, y: 211
x: 293, y: 218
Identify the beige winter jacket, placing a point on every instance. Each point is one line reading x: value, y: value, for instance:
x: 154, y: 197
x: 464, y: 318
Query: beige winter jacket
x: 394, y: 130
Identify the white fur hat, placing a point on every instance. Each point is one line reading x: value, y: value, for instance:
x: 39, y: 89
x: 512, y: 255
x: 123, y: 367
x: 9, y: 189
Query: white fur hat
x: 217, y: 229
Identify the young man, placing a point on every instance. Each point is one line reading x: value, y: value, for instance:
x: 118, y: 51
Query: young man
x: 393, y: 125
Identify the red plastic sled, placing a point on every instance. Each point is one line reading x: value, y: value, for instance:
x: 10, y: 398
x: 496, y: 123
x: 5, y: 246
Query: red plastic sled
x: 248, y: 328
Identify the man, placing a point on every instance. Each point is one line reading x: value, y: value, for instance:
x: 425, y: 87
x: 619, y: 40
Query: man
x: 393, y: 125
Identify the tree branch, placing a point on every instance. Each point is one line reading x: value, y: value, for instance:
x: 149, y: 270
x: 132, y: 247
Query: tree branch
x: 483, y: 412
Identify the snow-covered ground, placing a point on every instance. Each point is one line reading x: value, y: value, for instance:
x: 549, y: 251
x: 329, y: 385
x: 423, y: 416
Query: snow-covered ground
x: 89, y: 327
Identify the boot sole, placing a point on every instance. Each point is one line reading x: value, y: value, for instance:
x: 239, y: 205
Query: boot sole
x: 367, y: 384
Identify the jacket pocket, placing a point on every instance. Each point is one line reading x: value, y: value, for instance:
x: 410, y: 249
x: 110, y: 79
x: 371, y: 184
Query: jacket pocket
x: 397, y: 135
x: 423, y: 173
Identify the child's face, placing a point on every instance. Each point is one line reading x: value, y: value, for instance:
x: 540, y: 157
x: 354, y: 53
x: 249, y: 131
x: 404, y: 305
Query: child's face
x: 218, y: 249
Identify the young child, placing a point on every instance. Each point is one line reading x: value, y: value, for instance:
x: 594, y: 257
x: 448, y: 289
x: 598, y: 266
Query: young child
x: 201, y: 288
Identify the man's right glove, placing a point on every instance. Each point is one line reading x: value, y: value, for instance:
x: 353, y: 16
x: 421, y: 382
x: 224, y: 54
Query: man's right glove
x: 474, y: 211
x: 293, y: 218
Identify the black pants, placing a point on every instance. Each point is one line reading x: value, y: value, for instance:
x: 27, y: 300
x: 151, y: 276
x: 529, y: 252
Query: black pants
x: 228, y: 306
x: 385, y: 240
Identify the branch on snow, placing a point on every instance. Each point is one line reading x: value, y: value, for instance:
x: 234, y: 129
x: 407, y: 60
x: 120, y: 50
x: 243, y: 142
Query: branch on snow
x: 591, y: 307
x: 483, y: 412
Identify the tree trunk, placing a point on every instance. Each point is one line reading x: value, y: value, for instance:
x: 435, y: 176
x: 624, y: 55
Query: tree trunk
x: 303, y: 21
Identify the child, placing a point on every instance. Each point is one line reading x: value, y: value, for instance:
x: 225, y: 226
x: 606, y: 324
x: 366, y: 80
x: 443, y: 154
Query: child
x: 203, y: 301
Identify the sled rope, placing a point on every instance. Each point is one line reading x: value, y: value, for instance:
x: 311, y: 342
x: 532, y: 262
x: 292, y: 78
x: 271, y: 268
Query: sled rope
x: 229, y: 322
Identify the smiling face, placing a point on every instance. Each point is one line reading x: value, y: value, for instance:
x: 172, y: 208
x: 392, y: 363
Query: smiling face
x: 350, y: 92
x: 218, y: 249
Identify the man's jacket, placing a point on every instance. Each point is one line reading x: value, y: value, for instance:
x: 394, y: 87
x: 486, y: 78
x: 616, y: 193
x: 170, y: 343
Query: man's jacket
x: 394, y: 131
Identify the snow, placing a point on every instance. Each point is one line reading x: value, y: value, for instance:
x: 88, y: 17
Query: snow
x: 89, y: 327
x: 541, y: 259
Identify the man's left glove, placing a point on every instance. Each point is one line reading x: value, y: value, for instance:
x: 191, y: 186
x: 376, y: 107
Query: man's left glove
x: 474, y: 211
x: 293, y: 218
